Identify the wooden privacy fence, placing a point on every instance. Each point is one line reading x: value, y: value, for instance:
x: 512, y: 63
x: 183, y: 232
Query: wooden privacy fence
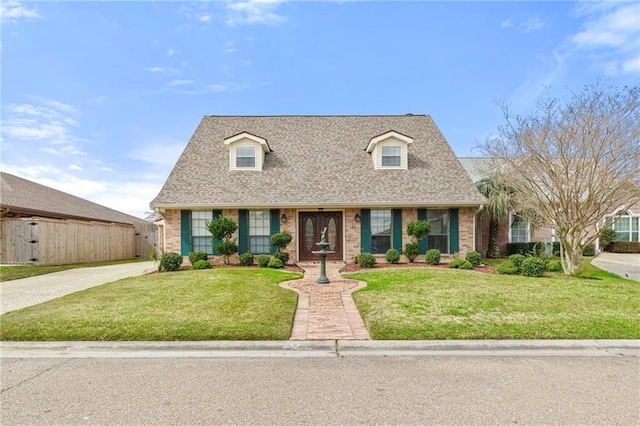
x: 54, y: 242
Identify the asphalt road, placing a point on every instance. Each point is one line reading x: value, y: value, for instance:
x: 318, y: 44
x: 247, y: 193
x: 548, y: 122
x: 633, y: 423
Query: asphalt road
x: 322, y: 390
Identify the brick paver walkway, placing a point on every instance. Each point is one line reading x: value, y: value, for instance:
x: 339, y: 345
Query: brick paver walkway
x: 326, y: 311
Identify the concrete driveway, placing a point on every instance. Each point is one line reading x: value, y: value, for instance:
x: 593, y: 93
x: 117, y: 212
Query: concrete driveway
x: 627, y: 265
x: 18, y: 294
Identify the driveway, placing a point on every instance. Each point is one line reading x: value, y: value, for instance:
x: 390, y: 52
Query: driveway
x: 627, y: 265
x: 18, y: 294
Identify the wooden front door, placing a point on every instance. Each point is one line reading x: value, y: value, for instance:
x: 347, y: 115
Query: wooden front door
x: 311, y: 225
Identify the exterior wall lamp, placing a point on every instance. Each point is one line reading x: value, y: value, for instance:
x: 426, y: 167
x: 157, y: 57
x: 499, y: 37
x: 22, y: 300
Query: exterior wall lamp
x: 283, y: 218
x: 357, y: 218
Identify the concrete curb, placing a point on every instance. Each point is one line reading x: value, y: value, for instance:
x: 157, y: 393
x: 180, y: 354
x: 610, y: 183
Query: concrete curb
x: 319, y: 348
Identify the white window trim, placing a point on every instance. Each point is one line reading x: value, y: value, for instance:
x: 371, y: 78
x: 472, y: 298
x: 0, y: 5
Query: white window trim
x: 628, y: 214
x: 511, y: 215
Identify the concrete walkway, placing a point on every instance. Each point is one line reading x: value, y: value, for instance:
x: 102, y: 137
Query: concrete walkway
x: 626, y: 265
x: 326, y: 311
x: 18, y: 294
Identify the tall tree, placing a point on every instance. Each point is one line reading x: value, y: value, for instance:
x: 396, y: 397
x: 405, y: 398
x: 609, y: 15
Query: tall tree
x: 572, y: 161
x: 496, y: 210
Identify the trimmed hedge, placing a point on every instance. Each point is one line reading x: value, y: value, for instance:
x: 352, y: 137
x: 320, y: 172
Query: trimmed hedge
x: 474, y: 258
x: 432, y: 257
x: 624, y: 247
x: 392, y: 256
x: 194, y: 256
x: 263, y: 260
x: 460, y: 264
x: 533, y: 267
x: 246, y: 259
x: 366, y: 260
x: 202, y: 264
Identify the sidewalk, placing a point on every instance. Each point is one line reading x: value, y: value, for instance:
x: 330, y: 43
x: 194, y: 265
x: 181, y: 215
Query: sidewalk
x: 18, y: 294
x: 326, y: 311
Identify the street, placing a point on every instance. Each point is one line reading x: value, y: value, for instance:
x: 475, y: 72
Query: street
x: 322, y: 390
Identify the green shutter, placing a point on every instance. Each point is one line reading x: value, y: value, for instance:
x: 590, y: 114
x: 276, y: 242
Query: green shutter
x: 454, y: 235
x: 214, y: 215
x: 274, y: 225
x: 185, y: 232
x: 243, y: 231
x: 365, y: 231
x: 422, y: 215
x: 396, y: 228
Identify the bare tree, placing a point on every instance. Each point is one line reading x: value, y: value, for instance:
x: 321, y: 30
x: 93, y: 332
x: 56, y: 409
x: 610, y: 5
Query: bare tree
x: 571, y: 161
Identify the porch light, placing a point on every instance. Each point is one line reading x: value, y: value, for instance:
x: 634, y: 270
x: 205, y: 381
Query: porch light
x: 283, y: 218
x: 357, y: 218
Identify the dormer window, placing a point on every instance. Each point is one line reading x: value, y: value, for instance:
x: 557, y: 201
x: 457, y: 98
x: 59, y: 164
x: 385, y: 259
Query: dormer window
x: 245, y: 157
x: 391, y: 156
x: 246, y: 151
x: 389, y: 150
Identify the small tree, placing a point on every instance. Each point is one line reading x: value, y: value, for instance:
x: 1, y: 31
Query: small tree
x: 496, y: 210
x: 573, y: 161
x: 280, y: 241
x: 223, y: 228
x: 417, y: 230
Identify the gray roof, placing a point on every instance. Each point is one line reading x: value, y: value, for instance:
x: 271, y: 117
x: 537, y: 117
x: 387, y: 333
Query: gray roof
x: 317, y: 161
x: 480, y: 167
x: 23, y: 197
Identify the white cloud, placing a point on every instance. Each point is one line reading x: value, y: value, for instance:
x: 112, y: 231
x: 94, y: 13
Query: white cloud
x: 506, y: 23
x: 611, y: 35
x: 163, y: 154
x: 254, y: 12
x: 12, y: 11
x: 532, y: 24
x: 180, y: 82
x: 206, y: 18
x: 75, y: 167
x: 171, y: 52
x: 231, y: 47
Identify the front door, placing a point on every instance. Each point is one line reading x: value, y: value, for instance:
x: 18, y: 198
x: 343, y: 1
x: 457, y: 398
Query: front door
x: 310, y: 232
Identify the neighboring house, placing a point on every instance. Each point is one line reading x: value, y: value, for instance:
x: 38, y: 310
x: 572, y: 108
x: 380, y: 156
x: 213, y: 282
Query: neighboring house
x: 362, y: 177
x: 515, y: 230
x: 46, y: 226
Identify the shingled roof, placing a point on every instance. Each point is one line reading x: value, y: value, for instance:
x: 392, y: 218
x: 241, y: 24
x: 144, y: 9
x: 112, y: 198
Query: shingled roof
x: 23, y: 197
x: 317, y: 161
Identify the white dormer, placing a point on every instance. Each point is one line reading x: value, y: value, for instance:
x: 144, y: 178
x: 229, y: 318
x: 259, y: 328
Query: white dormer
x: 389, y: 150
x: 246, y: 151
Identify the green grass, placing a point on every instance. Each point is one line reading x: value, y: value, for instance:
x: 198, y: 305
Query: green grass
x: 214, y: 304
x: 15, y: 272
x: 417, y: 304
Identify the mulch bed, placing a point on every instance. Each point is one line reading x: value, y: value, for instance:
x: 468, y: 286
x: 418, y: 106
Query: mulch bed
x: 353, y: 267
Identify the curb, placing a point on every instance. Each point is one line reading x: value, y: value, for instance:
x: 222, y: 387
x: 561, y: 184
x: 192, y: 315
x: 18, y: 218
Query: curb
x: 320, y: 349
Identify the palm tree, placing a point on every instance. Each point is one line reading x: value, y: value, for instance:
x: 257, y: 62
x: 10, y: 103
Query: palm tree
x: 497, y: 210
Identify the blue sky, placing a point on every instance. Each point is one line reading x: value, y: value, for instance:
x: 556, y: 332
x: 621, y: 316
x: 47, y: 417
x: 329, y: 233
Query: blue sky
x: 99, y: 98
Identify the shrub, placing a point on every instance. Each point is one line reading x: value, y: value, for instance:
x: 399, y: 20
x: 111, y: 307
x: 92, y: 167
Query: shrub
x: 284, y: 257
x: 533, y: 267
x: 366, y: 260
x: 474, y: 258
x: 170, y: 262
x: 525, y: 248
x: 624, y: 247
x: 263, y: 260
x: 432, y: 257
x: 222, y: 228
x: 589, y: 250
x: 246, y: 259
x: 607, y: 236
x: 202, y: 264
x: 507, y: 268
x: 418, y: 229
x: 281, y: 240
x: 554, y: 266
x: 460, y: 264
x: 194, y: 256
x: 275, y: 263
x: 392, y: 256
x: 517, y: 259
x: 412, y: 250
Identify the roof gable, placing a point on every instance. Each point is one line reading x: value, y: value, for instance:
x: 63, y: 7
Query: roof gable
x: 317, y: 161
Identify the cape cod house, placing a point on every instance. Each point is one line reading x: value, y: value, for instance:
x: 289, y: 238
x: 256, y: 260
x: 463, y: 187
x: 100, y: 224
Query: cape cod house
x: 362, y: 177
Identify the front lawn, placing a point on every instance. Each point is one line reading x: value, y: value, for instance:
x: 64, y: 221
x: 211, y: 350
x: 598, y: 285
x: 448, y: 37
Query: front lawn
x: 430, y: 303
x: 214, y: 304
